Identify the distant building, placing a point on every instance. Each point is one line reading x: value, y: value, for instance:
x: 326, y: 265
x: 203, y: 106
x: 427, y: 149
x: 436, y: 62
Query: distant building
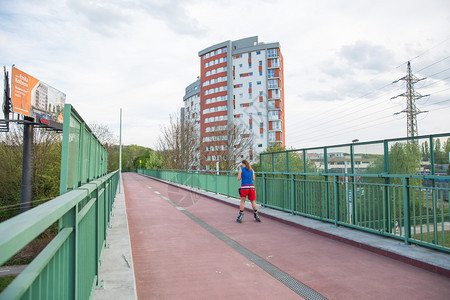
x: 41, y: 97
x: 241, y: 82
x: 191, y: 112
x: 338, y: 162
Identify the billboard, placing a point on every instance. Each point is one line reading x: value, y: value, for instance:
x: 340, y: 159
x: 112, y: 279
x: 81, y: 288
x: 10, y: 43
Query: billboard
x: 33, y: 98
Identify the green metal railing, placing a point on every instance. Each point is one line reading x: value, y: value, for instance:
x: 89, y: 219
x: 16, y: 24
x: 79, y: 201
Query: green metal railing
x: 68, y: 267
x: 83, y: 156
x: 428, y: 154
x: 397, y: 206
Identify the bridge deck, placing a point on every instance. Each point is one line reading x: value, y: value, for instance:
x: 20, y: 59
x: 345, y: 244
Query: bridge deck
x: 187, y: 246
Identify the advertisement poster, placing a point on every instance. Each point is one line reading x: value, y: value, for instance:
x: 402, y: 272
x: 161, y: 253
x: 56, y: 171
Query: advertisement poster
x: 33, y: 98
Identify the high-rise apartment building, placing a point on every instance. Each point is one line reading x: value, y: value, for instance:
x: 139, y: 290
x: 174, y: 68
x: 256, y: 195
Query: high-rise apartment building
x: 241, y: 83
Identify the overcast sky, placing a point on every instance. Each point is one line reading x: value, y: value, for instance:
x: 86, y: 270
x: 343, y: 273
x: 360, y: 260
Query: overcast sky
x: 340, y: 58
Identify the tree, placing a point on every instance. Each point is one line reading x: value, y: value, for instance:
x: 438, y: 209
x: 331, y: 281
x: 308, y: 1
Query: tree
x: 46, y: 167
x: 178, y: 144
x: 447, y: 154
x: 229, y: 144
x: 404, y: 158
x: 425, y: 151
x: 149, y: 160
x: 280, y: 160
x: 109, y: 141
x: 129, y: 155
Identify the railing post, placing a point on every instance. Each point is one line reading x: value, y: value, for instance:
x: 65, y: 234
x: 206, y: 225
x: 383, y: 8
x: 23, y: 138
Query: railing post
x: 353, y: 188
x: 292, y: 194
x: 327, y: 192
x: 98, y: 242
x: 70, y: 220
x: 217, y: 182
x: 264, y: 188
x: 406, y: 206
x: 387, y: 181
x: 434, y: 197
x: 228, y: 184
x: 336, y: 200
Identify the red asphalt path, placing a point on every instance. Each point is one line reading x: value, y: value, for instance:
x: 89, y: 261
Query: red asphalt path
x: 176, y: 258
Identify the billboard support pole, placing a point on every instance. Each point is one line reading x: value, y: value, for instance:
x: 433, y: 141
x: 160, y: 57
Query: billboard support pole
x: 26, y: 190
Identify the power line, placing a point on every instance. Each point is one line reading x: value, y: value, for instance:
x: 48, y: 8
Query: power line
x: 438, y: 72
x: 431, y: 104
x: 351, y: 124
x: 433, y: 64
x: 441, y: 107
x: 429, y: 49
x: 341, y: 105
x: 313, y: 132
x: 349, y: 129
x: 434, y: 82
x: 349, y: 113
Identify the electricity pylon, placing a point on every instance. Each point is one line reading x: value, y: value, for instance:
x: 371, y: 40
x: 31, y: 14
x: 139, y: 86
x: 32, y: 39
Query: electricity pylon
x: 411, y: 109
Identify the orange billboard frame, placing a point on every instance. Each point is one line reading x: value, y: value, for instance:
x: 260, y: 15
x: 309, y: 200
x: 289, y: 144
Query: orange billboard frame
x: 33, y: 98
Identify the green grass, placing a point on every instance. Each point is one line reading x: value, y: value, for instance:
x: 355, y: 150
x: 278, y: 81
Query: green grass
x: 446, y: 238
x: 5, y: 281
x: 439, y: 241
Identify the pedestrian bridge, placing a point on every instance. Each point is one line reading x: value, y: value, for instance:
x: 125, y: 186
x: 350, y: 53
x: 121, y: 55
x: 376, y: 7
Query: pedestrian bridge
x: 186, y: 244
x: 167, y: 241
x: 329, y: 230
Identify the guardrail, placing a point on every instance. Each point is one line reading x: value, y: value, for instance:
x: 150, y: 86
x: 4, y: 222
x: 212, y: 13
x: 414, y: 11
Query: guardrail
x: 397, y: 206
x: 68, y: 267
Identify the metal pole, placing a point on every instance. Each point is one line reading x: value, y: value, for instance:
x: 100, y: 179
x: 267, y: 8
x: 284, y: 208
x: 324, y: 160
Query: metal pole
x: 26, y: 190
x: 346, y: 193
x: 120, y: 153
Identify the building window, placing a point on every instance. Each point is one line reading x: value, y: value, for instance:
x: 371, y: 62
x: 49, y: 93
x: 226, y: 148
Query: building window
x: 259, y: 114
x: 273, y: 115
x: 273, y: 83
x: 249, y: 65
x: 260, y: 62
x: 275, y: 94
x: 258, y: 83
x: 272, y: 53
x: 260, y: 73
x: 261, y: 124
x: 249, y: 85
x: 275, y: 63
x: 276, y: 125
x: 258, y: 52
x: 240, y: 65
x: 271, y: 136
x: 271, y: 73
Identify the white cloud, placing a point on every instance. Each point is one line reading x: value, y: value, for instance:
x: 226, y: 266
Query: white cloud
x: 340, y: 57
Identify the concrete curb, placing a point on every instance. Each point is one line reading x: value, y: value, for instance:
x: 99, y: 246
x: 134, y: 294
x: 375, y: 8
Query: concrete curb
x: 116, y: 274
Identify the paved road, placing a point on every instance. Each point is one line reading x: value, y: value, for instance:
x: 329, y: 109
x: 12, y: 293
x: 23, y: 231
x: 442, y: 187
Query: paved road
x: 187, y: 246
x: 12, y: 270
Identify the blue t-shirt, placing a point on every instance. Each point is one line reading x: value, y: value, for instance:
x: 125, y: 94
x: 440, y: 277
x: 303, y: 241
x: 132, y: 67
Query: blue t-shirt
x: 247, y: 177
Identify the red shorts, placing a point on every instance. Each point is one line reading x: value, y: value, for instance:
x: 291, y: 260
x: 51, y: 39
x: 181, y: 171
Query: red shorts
x: 251, y: 193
